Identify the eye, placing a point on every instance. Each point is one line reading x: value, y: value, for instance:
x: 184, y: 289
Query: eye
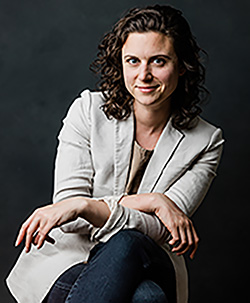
x: 159, y: 61
x: 132, y: 61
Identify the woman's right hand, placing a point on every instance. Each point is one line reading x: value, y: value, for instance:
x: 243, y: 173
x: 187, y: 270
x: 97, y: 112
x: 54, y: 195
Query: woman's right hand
x: 37, y: 227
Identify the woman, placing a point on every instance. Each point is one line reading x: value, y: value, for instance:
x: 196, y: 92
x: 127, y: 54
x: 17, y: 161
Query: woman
x: 134, y: 162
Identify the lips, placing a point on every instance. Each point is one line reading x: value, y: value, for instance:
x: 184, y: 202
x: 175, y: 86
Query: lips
x: 147, y: 89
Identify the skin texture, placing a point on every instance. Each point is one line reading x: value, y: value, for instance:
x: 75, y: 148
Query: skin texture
x: 151, y: 72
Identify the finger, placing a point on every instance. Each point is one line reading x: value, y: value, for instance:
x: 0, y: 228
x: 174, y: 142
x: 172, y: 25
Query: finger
x: 34, y: 225
x: 175, y: 235
x: 195, y: 241
x: 23, y: 230
x: 47, y: 238
x: 189, y: 243
x: 35, y: 238
x: 43, y: 233
x: 190, y: 238
x: 182, y: 246
x: 20, y: 236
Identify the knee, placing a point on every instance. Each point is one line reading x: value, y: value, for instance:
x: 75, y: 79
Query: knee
x: 149, y: 292
x: 128, y: 235
x: 128, y: 238
x: 126, y: 243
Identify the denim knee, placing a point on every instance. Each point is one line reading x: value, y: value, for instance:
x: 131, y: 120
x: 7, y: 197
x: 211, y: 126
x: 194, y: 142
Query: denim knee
x: 128, y: 246
x: 127, y: 242
x: 149, y: 292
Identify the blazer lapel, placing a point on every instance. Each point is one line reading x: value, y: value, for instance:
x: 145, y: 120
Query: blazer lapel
x: 124, y: 136
x: 163, y: 152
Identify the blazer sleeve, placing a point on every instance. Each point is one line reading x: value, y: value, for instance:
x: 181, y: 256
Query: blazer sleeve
x: 190, y: 189
x: 74, y: 174
x: 126, y: 218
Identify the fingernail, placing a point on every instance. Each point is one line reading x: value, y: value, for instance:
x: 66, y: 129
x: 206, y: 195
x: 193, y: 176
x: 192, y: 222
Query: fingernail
x: 16, y: 243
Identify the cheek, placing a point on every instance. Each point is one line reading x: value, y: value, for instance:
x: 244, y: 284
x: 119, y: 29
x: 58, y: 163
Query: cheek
x: 169, y: 78
x: 128, y: 77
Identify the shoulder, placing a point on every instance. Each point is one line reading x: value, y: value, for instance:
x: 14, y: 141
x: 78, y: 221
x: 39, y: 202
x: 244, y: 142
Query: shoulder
x: 93, y: 97
x: 204, y: 133
x: 86, y: 106
x: 88, y: 100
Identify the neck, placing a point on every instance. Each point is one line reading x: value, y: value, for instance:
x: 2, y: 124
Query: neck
x: 150, y: 124
x: 151, y: 120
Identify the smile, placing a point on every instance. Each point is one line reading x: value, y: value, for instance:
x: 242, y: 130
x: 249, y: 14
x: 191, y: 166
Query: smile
x: 147, y: 89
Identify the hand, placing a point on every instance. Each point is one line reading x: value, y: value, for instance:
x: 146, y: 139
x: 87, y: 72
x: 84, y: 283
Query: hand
x: 183, y: 234
x: 44, y: 219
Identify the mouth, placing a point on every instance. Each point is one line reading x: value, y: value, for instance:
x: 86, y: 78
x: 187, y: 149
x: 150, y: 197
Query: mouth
x: 147, y: 89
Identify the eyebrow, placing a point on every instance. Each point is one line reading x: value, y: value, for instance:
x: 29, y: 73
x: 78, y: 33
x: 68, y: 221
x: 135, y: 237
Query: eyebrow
x: 161, y: 55
x: 153, y: 57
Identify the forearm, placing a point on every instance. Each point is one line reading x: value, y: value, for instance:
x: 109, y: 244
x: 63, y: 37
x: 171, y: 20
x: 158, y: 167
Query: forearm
x: 96, y: 212
x: 123, y: 217
x: 148, y: 203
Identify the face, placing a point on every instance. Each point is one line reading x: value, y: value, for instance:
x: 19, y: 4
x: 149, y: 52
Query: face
x: 150, y: 68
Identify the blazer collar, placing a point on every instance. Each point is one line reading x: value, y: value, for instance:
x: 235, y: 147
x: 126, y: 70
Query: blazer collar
x: 163, y: 152
x: 124, y: 136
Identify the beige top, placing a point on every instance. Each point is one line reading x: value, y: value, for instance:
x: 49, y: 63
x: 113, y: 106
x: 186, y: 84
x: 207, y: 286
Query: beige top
x: 139, y: 162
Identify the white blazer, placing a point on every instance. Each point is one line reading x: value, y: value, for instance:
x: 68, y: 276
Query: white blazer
x: 93, y: 160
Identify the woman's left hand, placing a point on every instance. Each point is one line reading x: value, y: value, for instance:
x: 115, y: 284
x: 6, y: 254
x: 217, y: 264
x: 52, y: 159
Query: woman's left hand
x: 183, y: 234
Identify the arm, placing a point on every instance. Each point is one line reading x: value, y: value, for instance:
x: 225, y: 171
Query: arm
x: 37, y: 227
x: 189, y: 190
x: 183, y: 197
x: 183, y: 234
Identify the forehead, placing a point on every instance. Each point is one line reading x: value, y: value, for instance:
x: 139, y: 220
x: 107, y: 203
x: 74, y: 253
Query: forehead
x: 148, y: 44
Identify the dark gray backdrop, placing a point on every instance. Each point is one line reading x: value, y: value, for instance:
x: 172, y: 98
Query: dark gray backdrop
x: 45, y: 49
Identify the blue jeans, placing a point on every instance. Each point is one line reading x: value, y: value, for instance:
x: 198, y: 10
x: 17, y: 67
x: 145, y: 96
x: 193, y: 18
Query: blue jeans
x: 129, y: 268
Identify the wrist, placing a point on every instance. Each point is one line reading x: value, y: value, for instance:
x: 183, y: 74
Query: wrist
x: 149, y: 202
x: 157, y: 202
x: 76, y: 205
x: 83, y: 207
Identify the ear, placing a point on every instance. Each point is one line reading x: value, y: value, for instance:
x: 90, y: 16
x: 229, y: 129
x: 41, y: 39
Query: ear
x: 182, y: 70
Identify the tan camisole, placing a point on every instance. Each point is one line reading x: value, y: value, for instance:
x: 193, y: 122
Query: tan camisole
x: 139, y: 162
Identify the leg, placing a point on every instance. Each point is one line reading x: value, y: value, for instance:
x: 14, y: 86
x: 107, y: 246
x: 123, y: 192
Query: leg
x: 149, y: 292
x: 62, y: 286
x: 116, y: 268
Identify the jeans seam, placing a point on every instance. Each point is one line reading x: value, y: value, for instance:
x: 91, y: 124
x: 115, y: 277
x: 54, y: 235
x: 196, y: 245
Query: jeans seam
x: 63, y: 286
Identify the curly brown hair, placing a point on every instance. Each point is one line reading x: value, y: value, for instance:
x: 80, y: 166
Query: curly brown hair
x: 190, y: 91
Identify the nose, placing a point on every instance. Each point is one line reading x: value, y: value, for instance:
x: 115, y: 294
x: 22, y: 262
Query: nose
x: 145, y: 73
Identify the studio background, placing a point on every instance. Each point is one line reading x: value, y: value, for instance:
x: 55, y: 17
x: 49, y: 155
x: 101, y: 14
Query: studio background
x: 45, y: 50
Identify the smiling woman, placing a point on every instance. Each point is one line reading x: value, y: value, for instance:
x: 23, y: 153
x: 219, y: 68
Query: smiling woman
x: 151, y: 71
x: 134, y: 162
